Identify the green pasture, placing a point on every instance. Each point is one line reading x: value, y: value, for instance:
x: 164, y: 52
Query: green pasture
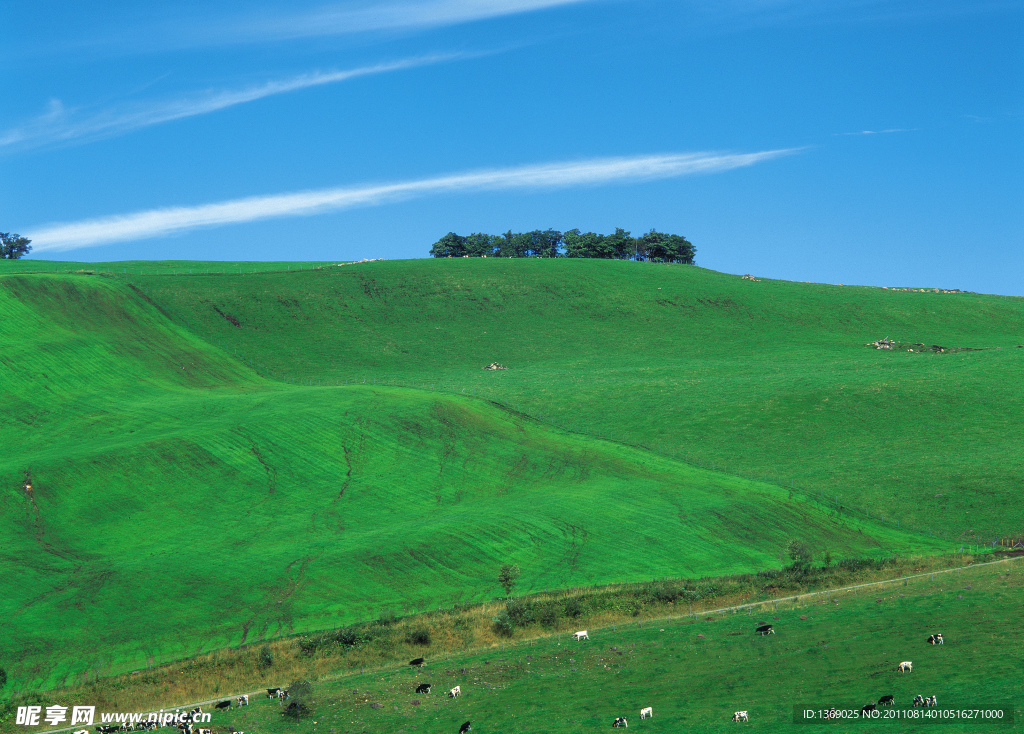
x: 163, y: 499
x: 840, y: 650
x: 769, y: 378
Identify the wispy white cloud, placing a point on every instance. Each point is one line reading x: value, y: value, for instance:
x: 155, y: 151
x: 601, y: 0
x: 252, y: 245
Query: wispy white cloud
x: 61, y: 125
x: 158, y: 222
x: 881, y: 132
x: 344, y: 18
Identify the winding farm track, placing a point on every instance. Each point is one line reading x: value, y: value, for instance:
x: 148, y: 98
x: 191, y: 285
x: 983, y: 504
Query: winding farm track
x: 705, y: 612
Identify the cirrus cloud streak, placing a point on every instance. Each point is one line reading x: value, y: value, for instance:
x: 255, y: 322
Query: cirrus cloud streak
x: 170, y: 220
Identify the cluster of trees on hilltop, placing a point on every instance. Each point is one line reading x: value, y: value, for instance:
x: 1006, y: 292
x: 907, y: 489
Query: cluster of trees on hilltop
x: 653, y: 246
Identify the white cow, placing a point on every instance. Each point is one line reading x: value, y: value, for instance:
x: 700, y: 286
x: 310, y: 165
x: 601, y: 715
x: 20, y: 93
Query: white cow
x: 455, y: 692
x: 905, y: 667
x: 649, y: 711
x: 740, y: 716
x: 581, y: 635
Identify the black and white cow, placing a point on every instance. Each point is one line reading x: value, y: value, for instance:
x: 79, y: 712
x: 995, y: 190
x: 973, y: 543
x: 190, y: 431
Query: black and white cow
x: 272, y: 692
x: 740, y: 716
x: 243, y: 700
x: 455, y: 692
x: 918, y: 701
x: 464, y: 728
x: 223, y: 705
x: 424, y: 688
x: 620, y: 721
x: 931, y: 701
x: 282, y: 693
x: 935, y: 639
x: 765, y: 629
x: 886, y: 701
x: 868, y: 709
x: 418, y: 662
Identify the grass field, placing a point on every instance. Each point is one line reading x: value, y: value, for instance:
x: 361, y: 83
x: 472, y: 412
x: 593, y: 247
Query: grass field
x: 836, y: 651
x: 165, y: 500
x: 770, y: 378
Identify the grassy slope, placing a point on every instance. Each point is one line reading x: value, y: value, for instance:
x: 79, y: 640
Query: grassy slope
x: 695, y: 674
x: 181, y: 503
x: 770, y: 377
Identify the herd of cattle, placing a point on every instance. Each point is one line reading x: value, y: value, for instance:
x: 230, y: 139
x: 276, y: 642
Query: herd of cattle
x: 186, y: 725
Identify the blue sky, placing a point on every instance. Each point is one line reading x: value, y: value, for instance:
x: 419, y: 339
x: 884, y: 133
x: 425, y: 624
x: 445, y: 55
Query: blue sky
x: 843, y: 141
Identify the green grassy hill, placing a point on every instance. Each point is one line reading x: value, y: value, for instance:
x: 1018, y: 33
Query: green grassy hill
x: 771, y: 378
x: 163, y: 499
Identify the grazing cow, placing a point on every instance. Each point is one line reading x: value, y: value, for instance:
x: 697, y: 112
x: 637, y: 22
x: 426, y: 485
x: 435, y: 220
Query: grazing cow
x: 204, y: 731
x: 581, y: 635
x: 886, y: 701
x: 243, y: 700
x: 935, y: 639
x: 423, y: 688
x: 455, y: 692
x: 905, y: 667
x: 740, y: 716
x: 620, y: 721
x: 464, y: 728
x: 868, y: 709
x: 272, y: 692
x: 930, y: 701
x: 223, y: 705
x: 282, y: 693
x: 418, y: 662
x: 918, y: 701
x: 649, y: 711
x: 765, y: 629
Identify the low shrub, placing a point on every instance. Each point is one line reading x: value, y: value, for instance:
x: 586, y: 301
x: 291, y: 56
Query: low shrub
x: 418, y: 636
x: 265, y: 658
x: 502, y: 625
x: 548, y: 614
x: 520, y: 612
x: 573, y: 607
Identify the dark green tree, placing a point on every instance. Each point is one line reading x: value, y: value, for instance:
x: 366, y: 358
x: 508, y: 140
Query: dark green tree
x: 546, y: 243
x: 587, y: 244
x: 13, y: 246
x: 451, y: 245
x: 621, y: 244
x: 479, y: 244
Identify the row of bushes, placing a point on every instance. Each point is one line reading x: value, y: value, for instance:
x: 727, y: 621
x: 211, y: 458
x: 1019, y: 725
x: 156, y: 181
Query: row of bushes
x: 653, y: 246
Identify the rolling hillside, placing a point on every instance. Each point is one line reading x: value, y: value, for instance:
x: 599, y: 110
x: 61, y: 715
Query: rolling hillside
x: 771, y: 378
x: 164, y: 499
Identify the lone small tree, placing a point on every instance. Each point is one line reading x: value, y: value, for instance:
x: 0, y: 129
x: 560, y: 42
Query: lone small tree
x: 13, y: 246
x: 800, y: 554
x: 507, y: 577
